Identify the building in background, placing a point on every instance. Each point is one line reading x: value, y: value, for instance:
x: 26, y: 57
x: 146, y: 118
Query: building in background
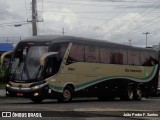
x: 5, y: 47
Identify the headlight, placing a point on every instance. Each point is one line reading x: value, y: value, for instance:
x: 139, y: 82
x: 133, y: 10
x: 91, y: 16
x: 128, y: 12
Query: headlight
x: 8, y: 85
x: 35, y: 87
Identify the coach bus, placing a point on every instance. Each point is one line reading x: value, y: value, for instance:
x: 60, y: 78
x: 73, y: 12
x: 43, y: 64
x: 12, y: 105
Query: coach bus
x: 63, y: 67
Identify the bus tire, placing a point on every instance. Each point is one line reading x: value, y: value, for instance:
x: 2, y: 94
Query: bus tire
x: 129, y: 95
x: 138, y: 94
x: 67, y: 95
x: 36, y: 99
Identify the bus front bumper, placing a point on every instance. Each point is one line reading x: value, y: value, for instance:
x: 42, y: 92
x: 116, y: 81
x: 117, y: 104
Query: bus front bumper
x: 27, y: 92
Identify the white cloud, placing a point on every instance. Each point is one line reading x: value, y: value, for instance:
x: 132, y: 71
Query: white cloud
x: 122, y: 22
x: 65, y: 16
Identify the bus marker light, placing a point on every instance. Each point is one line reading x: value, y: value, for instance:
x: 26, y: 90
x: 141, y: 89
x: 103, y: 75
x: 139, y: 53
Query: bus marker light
x: 49, y: 90
x: 19, y: 94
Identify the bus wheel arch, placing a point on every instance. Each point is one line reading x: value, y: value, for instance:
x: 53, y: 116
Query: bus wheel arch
x: 67, y: 93
x: 71, y: 86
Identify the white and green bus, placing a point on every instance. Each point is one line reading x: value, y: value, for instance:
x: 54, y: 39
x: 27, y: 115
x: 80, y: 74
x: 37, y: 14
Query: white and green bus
x: 63, y: 67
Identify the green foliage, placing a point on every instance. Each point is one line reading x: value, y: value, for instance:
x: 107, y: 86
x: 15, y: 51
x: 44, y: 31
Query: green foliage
x: 2, y: 73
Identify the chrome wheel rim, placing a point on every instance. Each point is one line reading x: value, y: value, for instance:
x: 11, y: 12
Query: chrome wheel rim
x: 139, y: 94
x: 130, y: 94
x: 66, y: 95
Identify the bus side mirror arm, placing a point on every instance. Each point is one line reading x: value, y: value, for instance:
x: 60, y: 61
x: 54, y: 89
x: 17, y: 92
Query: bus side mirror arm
x: 46, y: 55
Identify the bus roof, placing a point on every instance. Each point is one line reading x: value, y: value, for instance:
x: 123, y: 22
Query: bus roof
x: 61, y: 38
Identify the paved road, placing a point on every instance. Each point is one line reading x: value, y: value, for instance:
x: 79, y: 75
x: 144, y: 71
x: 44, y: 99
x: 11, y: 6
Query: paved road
x: 2, y: 92
x: 85, y: 109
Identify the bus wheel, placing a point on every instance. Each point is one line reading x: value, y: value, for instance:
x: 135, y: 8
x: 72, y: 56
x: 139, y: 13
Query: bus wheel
x: 66, y: 95
x: 129, y: 94
x: 138, y: 94
x: 36, y: 99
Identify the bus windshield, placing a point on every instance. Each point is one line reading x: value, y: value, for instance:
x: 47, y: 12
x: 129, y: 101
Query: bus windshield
x: 25, y: 64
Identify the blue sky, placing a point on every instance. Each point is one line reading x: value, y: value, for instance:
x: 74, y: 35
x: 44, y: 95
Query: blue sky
x: 112, y: 20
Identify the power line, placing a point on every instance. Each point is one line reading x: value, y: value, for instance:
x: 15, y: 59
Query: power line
x: 146, y: 25
x: 84, y: 12
x: 19, y: 22
x: 99, y: 19
x: 142, y: 27
x: 116, y: 28
x: 81, y: 4
x: 119, y: 13
x: 12, y: 25
x: 90, y: 12
x: 75, y: 2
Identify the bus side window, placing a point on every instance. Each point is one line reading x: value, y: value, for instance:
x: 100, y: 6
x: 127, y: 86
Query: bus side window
x: 120, y: 56
x: 106, y: 55
x: 145, y: 58
x: 60, y: 48
x: 134, y: 57
x: 91, y: 53
x: 76, y: 54
x: 153, y: 58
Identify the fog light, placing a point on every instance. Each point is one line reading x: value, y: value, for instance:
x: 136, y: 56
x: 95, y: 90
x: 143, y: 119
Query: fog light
x: 36, y: 94
x: 7, y: 92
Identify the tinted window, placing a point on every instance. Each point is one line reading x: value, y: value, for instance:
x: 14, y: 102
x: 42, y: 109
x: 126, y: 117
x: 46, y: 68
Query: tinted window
x: 145, y: 58
x: 106, y: 55
x: 134, y: 57
x: 60, y: 48
x: 148, y: 58
x: 120, y: 56
x: 77, y: 52
x: 91, y: 53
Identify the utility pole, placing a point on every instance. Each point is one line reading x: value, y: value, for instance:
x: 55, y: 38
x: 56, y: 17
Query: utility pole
x: 63, y: 31
x: 146, y: 37
x: 34, y: 18
x: 129, y: 42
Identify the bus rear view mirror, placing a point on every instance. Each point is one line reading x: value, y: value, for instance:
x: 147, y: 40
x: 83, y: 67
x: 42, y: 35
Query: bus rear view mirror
x: 46, y: 55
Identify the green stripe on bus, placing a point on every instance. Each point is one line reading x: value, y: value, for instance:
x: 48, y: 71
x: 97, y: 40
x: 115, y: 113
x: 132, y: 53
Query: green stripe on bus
x: 92, y: 82
x: 116, y: 77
